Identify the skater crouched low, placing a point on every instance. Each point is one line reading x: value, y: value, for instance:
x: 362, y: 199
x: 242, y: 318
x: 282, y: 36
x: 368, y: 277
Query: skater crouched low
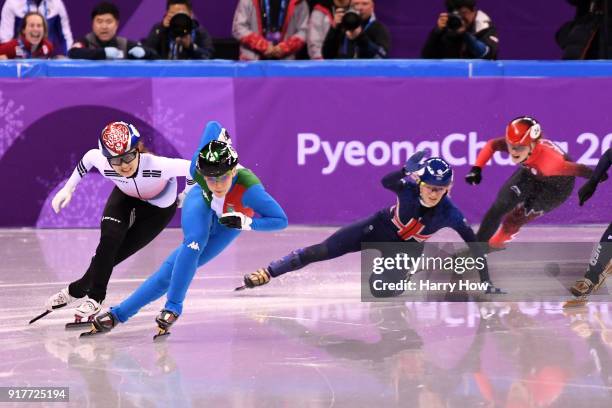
x: 137, y: 210
x: 421, y: 209
x: 221, y: 205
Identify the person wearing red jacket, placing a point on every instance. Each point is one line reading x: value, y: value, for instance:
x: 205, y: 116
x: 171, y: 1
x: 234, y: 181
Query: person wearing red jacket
x: 270, y: 29
x: 543, y: 182
x: 32, y: 41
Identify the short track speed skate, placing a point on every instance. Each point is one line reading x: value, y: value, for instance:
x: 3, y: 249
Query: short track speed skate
x: 101, y: 324
x: 85, y: 314
x: 165, y: 319
x: 57, y: 301
x: 258, y: 278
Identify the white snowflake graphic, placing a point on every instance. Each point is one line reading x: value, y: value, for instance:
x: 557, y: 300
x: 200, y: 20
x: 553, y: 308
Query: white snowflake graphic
x: 11, y: 126
x: 167, y: 121
x: 87, y: 203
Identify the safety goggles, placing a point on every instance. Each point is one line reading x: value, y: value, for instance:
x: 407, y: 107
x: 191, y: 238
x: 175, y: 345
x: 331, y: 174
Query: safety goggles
x: 124, y: 158
x: 434, y: 189
x: 218, y: 179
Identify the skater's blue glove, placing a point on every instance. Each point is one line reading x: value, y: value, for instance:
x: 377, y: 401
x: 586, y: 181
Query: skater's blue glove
x: 413, y: 163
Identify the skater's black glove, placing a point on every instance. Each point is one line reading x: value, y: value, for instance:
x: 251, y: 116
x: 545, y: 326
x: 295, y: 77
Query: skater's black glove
x: 474, y: 177
x: 491, y: 289
x: 236, y: 220
x: 413, y: 163
x: 586, y: 191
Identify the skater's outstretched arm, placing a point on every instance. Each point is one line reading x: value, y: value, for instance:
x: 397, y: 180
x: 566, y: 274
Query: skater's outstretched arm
x: 495, y: 145
x: 90, y: 159
x: 177, y: 168
x: 602, y: 167
x: 492, y: 146
x: 271, y: 215
x: 599, y: 175
x: 395, y: 181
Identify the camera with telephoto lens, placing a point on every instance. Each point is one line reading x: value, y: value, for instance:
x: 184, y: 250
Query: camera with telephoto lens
x: 180, y: 25
x: 455, y: 22
x: 351, y: 20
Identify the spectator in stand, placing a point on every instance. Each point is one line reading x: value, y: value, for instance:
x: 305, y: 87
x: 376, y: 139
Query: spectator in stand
x: 32, y: 41
x: 270, y: 29
x: 321, y: 19
x: 103, y: 42
x: 181, y: 37
x: 585, y: 36
x: 53, y: 11
x: 462, y: 32
x: 357, y: 33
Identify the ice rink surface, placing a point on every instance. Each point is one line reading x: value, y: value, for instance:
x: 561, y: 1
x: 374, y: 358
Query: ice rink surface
x: 305, y: 340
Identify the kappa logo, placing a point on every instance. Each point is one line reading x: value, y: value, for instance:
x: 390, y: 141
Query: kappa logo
x: 194, y: 245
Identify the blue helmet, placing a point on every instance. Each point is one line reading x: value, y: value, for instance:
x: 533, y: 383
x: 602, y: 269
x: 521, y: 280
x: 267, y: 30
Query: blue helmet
x: 118, y: 138
x: 436, y: 172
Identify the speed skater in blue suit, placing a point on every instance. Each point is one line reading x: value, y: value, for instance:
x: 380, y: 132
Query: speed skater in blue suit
x: 600, y: 265
x: 222, y: 204
x: 422, y: 208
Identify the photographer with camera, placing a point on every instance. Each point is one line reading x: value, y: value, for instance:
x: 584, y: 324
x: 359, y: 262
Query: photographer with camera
x: 357, y: 33
x: 321, y: 20
x: 179, y: 35
x: 462, y: 32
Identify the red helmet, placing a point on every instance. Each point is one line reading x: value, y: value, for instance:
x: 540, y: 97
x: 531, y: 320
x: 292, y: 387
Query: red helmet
x: 523, y: 130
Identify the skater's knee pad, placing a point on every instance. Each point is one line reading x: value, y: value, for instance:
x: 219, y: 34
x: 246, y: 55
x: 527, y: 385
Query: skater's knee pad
x: 113, y: 227
x: 600, y: 257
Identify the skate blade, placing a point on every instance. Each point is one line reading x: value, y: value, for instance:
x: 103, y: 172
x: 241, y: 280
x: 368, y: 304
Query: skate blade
x: 239, y: 288
x: 40, y: 316
x: 161, y: 335
x: 78, y: 325
x: 90, y: 333
x: 575, y: 303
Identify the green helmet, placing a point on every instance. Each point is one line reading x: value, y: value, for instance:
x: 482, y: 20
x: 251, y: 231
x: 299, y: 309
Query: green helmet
x: 216, y: 159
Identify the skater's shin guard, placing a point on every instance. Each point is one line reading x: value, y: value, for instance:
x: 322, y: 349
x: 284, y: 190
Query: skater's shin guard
x: 288, y: 263
x: 298, y: 259
x: 598, y: 268
x: 511, y: 225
